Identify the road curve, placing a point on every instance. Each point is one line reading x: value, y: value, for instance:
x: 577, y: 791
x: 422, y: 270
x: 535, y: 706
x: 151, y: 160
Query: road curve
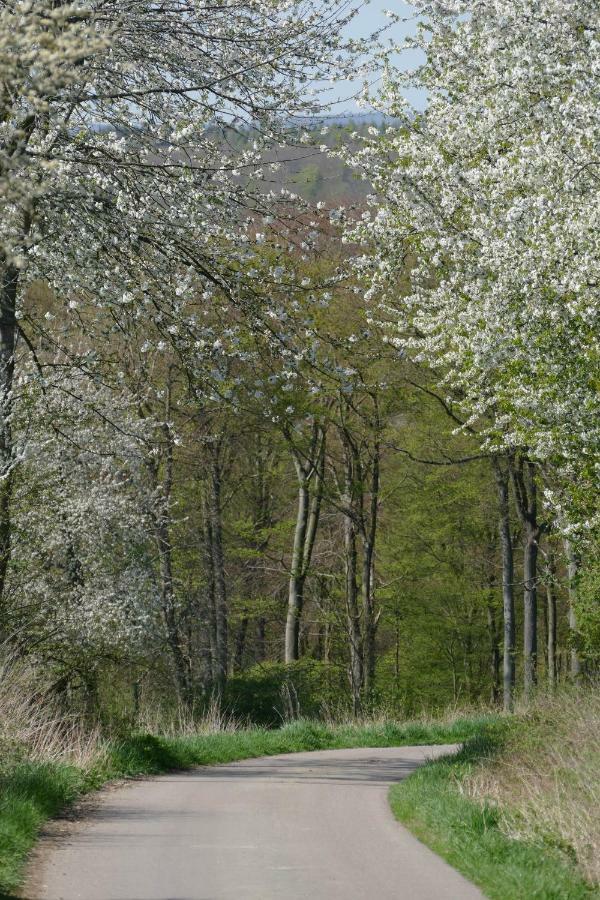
x: 305, y: 826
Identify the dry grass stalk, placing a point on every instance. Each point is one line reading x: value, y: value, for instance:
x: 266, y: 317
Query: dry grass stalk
x: 31, y: 726
x: 547, y: 784
x: 179, y: 721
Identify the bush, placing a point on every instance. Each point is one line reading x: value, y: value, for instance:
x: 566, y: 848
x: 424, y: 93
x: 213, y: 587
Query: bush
x: 272, y: 693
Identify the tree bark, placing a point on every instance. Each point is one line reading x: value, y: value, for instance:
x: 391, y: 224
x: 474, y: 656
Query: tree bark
x: 530, y: 637
x: 368, y: 598
x: 575, y: 666
x: 551, y: 626
x: 494, y: 653
x: 209, y: 591
x: 218, y: 564
x: 350, y: 517
x: 297, y: 578
x: 240, y: 644
x: 261, y: 639
x: 309, y: 470
x: 167, y: 597
x: 525, y: 490
x: 8, y: 332
x: 353, y: 613
x: 165, y: 555
x: 508, y: 599
x: 263, y: 520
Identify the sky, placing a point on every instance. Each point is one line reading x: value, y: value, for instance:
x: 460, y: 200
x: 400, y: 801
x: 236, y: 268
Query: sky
x: 369, y: 19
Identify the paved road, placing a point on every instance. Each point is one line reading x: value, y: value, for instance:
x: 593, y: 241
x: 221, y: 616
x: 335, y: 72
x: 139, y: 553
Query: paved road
x: 306, y: 826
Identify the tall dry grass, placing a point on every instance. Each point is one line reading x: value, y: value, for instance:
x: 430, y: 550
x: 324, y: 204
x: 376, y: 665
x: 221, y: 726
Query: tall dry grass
x: 33, y: 728
x: 179, y: 721
x: 336, y: 716
x: 546, y: 783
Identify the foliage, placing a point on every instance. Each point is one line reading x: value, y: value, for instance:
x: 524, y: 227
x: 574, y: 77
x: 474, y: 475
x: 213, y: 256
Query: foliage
x: 271, y: 693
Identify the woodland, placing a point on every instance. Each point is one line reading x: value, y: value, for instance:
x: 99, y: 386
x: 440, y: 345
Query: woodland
x: 298, y: 414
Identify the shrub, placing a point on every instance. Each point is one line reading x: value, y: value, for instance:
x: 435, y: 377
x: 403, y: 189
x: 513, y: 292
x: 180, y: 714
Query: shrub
x: 272, y: 693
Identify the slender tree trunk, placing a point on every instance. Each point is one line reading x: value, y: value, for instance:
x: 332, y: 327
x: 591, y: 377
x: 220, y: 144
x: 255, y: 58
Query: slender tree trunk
x: 551, y: 631
x: 90, y: 685
x: 218, y: 566
x: 309, y: 470
x: 368, y: 598
x: 165, y: 554
x: 572, y: 569
x: 349, y: 504
x: 397, y: 654
x: 297, y: 578
x: 135, y: 689
x: 494, y: 652
x: 240, y: 644
x: 508, y: 599
x: 162, y: 476
x: 261, y: 639
x: 262, y: 522
x: 167, y: 597
x: 369, y: 619
x: 8, y: 301
x: 326, y: 612
x: 209, y: 591
x: 525, y: 490
x: 530, y: 638
x: 353, y: 613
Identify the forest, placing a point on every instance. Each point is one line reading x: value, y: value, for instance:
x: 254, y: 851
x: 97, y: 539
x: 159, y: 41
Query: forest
x: 299, y: 408
x: 297, y: 415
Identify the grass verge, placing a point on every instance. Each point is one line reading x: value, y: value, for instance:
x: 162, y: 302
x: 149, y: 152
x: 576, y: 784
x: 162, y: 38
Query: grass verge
x: 32, y: 792
x: 434, y: 806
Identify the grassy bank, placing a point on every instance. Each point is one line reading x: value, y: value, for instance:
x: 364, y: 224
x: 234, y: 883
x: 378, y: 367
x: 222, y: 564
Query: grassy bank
x: 31, y: 791
x: 514, y: 811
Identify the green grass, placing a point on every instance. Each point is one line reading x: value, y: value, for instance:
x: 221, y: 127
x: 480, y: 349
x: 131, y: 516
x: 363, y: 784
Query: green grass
x: 466, y: 834
x: 31, y: 793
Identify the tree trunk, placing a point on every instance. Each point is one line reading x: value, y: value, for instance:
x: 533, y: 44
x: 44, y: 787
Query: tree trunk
x: 161, y: 470
x: 309, y: 470
x: 167, y: 598
x: 353, y: 613
x: 370, y: 618
x: 297, y: 579
x: 572, y: 569
x: 525, y: 490
x: 349, y: 504
x: 508, y: 599
x: 261, y: 640
x: 494, y: 652
x: 397, y: 654
x: 262, y: 520
x: 551, y: 634
x: 530, y: 639
x: 211, y: 612
x: 240, y: 644
x: 8, y: 302
x: 165, y: 555
x: 218, y: 566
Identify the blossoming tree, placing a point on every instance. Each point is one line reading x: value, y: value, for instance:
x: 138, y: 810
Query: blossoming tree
x: 491, y: 195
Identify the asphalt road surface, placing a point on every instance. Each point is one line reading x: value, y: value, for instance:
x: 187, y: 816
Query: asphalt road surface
x: 306, y: 826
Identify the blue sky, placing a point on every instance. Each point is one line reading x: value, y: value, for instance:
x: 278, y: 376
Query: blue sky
x: 369, y: 19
